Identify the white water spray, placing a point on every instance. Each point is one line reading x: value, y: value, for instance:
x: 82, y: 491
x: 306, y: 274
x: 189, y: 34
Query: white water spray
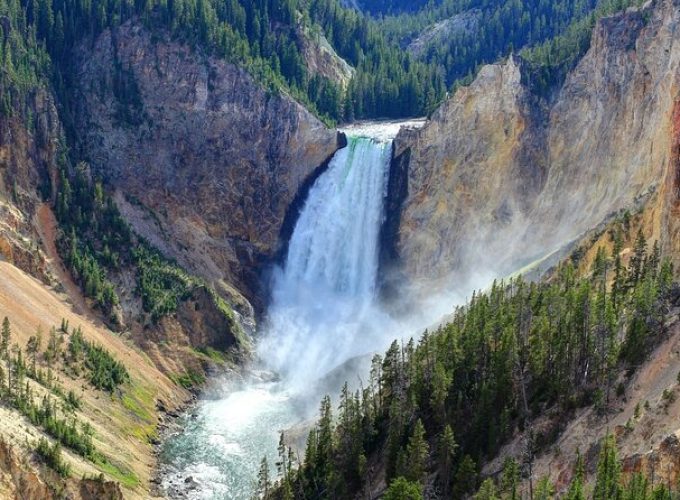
x: 323, y: 300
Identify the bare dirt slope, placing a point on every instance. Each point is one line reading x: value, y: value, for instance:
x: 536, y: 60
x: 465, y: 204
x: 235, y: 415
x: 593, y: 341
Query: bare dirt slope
x: 46, y: 225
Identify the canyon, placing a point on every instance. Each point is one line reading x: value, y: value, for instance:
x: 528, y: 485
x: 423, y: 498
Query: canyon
x: 213, y: 169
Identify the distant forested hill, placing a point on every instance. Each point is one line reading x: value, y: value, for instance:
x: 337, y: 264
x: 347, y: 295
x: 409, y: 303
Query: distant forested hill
x: 382, y: 7
x: 561, y: 27
x: 265, y: 36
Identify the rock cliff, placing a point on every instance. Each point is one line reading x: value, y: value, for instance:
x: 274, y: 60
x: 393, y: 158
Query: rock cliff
x: 322, y: 59
x: 501, y: 176
x: 464, y: 24
x: 205, y: 159
x: 28, y: 158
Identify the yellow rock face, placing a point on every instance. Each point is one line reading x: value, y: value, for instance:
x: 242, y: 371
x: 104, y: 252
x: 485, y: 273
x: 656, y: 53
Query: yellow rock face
x: 500, y: 176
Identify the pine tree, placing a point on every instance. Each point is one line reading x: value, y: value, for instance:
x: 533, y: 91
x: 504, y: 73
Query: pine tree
x: 53, y: 348
x: 465, y: 481
x: 417, y: 453
x: 618, y: 284
x: 440, y: 389
x: 600, y: 265
x: 544, y: 489
x: 284, y: 466
x: 5, y: 338
x: 665, y: 277
x: 576, y: 488
x: 18, y: 370
x: 487, y: 491
x: 637, y: 488
x: 402, y: 489
x: 607, y: 485
x: 33, y: 348
x: 395, y: 434
x: 287, y: 491
x: 511, y: 479
x: 446, y: 451
x: 637, y: 261
x: 325, y: 440
x: 652, y: 263
x: 263, y: 481
x: 662, y: 492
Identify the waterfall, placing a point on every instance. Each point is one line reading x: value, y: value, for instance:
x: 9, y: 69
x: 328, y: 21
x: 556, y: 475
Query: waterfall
x: 323, y: 312
x: 335, y: 242
x: 324, y: 296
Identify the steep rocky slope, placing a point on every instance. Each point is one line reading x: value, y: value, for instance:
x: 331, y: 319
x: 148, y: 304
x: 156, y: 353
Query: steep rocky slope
x: 322, y: 59
x: 206, y: 161
x: 28, y: 156
x: 464, y: 24
x: 124, y: 422
x: 502, y: 169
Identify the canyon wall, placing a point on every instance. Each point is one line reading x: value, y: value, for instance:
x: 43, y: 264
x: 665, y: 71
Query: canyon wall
x: 28, y: 163
x: 501, y: 176
x: 205, y: 159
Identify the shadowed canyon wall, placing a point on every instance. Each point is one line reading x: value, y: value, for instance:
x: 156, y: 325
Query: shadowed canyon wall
x: 206, y: 161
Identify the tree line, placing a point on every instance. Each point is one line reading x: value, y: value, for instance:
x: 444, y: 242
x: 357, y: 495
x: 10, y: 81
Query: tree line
x: 266, y: 37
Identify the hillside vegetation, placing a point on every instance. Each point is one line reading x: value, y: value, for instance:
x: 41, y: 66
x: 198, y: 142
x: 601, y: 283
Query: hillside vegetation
x: 552, y: 35
x: 265, y: 36
x: 69, y: 389
x: 435, y: 410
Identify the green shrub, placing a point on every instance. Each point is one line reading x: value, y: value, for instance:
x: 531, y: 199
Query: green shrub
x: 52, y: 457
x: 104, y: 371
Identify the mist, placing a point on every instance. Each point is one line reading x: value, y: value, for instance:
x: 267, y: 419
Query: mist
x: 325, y: 308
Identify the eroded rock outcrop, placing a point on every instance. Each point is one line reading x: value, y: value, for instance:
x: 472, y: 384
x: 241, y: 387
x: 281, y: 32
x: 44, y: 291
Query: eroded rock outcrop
x: 28, y: 159
x: 16, y: 481
x: 206, y: 160
x: 322, y: 59
x: 500, y: 176
x: 464, y: 24
x: 24, y: 479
